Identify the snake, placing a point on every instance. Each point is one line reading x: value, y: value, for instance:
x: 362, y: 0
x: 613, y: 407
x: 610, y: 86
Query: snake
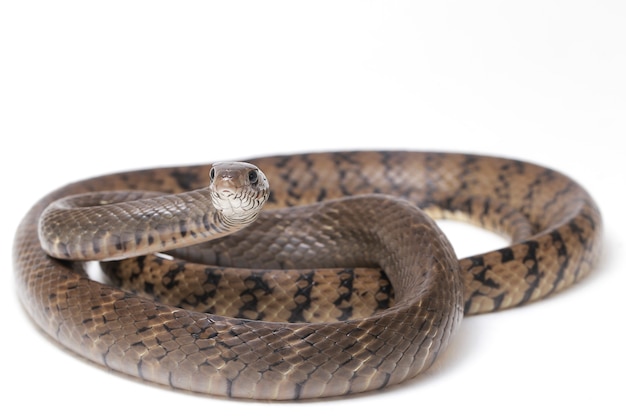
x: 334, y: 282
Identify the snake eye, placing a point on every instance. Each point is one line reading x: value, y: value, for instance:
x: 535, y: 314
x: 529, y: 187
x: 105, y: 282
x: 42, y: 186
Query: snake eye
x: 253, y: 177
x: 212, y: 174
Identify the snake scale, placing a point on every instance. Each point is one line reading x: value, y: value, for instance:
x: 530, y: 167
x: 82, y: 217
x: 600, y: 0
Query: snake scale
x: 397, y: 292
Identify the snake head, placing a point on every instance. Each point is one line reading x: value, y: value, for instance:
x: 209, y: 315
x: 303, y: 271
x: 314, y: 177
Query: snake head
x: 238, y: 190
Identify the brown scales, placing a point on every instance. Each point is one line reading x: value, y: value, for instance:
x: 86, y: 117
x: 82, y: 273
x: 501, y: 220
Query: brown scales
x: 363, y: 335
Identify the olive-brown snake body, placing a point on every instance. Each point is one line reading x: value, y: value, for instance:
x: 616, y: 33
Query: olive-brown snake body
x: 554, y: 225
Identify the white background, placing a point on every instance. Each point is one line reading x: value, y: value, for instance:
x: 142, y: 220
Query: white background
x: 95, y: 87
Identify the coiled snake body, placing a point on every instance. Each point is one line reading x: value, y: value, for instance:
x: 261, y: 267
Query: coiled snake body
x: 254, y: 345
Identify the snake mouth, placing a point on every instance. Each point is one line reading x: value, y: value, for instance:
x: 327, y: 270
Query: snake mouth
x: 224, y: 192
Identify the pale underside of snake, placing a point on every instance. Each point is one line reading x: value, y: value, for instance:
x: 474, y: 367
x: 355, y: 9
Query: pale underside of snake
x: 341, y: 285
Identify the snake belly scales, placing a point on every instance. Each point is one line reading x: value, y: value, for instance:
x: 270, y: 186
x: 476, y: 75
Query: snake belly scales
x: 397, y: 292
